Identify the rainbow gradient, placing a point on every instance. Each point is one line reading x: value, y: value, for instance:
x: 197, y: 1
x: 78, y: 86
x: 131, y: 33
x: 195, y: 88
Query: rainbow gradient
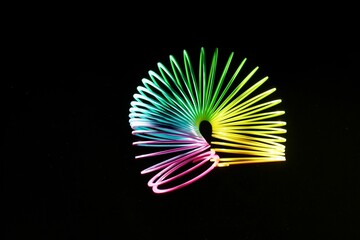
x: 167, y: 110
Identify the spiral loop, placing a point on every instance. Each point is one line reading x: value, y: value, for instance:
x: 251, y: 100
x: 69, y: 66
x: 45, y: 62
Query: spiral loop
x: 170, y: 105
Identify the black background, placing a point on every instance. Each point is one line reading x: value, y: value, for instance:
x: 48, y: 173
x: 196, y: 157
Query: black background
x: 68, y: 168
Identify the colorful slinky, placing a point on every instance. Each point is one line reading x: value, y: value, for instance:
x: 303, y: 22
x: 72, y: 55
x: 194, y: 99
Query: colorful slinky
x: 167, y: 110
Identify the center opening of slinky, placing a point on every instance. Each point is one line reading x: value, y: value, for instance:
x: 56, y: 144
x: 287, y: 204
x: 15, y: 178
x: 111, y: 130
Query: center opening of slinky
x: 206, y: 130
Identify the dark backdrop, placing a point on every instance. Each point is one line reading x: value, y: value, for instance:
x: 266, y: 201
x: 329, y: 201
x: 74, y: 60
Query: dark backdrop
x: 68, y: 170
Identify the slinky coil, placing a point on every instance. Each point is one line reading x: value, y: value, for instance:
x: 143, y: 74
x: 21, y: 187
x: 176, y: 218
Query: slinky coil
x: 167, y: 110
